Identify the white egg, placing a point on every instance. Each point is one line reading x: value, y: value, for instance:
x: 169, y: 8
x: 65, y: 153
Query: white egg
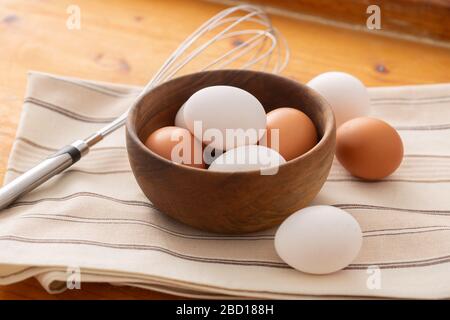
x: 246, y: 158
x: 179, y: 118
x: 319, y: 239
x: 224, y: 110
x: 346, y: 94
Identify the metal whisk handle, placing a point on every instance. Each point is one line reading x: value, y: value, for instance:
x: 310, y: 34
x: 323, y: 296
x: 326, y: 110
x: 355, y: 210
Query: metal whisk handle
x: 42, y: 172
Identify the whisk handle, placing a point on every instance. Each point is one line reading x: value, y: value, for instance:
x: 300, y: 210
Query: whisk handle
x: 42, y: 172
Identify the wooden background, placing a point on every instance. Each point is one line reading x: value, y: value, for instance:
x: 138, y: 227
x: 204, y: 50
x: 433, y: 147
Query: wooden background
x: 424, y: 18
x: 126, y: 41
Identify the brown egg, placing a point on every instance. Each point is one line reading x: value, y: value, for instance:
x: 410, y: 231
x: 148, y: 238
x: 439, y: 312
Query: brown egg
x: 297, y: 133
x: 369, y: 148
x: 171, y: 143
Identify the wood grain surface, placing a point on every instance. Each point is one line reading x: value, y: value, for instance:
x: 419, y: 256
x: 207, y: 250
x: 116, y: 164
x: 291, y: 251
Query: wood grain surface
x: 421, y: 18
x: 126, y: 41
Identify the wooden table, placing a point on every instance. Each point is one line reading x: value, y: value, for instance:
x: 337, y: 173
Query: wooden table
x: 126, y: 41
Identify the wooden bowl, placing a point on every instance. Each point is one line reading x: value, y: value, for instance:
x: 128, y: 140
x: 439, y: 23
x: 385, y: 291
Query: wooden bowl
x: 225, y: 202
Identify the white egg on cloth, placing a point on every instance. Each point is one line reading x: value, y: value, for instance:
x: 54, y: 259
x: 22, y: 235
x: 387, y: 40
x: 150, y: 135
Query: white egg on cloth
x: 319, y: 239
x: 346, y: 94
x: 222, y: 111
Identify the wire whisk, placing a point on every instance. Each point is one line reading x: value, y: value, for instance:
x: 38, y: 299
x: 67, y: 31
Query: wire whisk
x: 240, y: 37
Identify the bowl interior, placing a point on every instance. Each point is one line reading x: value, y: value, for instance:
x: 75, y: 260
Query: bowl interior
x: 159, y: 107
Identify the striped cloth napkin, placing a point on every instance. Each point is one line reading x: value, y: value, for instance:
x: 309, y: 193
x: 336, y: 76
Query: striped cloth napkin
x: 93, y: 218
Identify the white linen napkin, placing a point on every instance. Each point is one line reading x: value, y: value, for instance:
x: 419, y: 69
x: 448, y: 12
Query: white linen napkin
x: 93, y: 218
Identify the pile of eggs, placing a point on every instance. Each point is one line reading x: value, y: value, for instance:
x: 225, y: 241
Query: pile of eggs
x: 317, y: 239
x: 227, y: 129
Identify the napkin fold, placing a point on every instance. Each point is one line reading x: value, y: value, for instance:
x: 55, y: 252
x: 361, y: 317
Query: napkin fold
x: 92, y: 222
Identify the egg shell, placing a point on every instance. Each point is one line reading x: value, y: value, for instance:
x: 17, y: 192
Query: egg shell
x: 346, y: 94
x: 296, y: 132
x: 319, y: 239
x: 165, y: 139
x: 369, y: 148
x: 225, y: 107
x: 247, y: 158
x: 179, y: 118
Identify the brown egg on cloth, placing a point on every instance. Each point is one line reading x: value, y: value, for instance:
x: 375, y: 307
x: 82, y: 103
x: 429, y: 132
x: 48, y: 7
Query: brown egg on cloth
x: 178, y: 145
x: 296, y: 132
x: 369, y: 148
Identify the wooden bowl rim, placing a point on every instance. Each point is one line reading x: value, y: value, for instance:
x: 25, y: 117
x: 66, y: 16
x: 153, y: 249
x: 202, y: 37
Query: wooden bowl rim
x: 329, y: 126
